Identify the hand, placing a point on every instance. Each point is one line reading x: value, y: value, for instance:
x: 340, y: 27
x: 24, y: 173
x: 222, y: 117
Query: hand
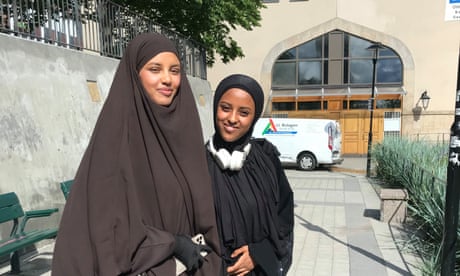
x: 188, y: 252
x: 244, y: 264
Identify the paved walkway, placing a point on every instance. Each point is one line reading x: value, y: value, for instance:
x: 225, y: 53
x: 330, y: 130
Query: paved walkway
x: 337, y: 228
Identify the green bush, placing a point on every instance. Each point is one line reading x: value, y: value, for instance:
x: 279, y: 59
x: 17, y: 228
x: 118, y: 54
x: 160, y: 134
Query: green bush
x: 420, y: 167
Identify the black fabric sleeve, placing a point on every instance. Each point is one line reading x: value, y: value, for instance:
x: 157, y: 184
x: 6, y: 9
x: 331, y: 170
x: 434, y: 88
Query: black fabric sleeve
x: 285, y: 208
x: 263, y: 255
x: 285, y: 218
x: 286, y: 196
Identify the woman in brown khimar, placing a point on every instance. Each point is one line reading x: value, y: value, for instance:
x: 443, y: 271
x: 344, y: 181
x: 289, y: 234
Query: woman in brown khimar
x: 142, y: 188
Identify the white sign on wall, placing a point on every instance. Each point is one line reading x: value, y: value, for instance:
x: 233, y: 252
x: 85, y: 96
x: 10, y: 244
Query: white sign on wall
x: 452, y: 10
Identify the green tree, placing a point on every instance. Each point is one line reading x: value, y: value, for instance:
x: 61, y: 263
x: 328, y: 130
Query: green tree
x: 209, y: 22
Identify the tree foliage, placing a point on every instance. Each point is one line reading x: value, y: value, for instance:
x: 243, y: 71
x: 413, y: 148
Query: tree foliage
x: 209, y: 22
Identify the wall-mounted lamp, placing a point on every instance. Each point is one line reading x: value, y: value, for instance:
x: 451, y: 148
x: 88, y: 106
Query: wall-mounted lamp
x: 425, y: 99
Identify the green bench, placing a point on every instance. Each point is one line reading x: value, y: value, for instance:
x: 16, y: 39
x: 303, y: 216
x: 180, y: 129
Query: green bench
x: 65, y: 187
x: 11, y: 211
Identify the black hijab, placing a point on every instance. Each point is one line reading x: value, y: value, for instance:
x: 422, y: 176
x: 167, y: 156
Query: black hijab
x: 141, y: 180
x: 253, y: 88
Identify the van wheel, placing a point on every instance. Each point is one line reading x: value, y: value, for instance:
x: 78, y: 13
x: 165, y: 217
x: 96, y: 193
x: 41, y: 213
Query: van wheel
x: 306, y: 162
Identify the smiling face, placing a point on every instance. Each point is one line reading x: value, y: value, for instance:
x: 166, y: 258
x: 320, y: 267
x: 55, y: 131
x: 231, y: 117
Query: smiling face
x: 160, y: 78
x: 235, y: 114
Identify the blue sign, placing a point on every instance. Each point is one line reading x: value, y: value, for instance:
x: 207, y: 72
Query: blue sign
x: 454, y: 1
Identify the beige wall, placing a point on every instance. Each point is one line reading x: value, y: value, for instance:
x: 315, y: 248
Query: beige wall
x: 416, y: 30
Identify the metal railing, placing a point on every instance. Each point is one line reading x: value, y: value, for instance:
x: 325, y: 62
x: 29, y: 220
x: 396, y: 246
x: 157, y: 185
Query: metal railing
x: 438, y: 137
x: 92, y: 25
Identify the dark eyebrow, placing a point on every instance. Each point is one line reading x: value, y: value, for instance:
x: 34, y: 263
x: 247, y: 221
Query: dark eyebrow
x: 224, y: 102
x: 246, y: 109
x: 160, y: 64
x: 152, y: 63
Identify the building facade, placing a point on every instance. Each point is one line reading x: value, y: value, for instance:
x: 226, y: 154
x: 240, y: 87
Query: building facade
x: 315, y: 59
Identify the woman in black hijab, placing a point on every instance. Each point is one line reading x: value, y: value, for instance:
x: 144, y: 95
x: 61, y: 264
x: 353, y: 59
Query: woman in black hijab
x: 253, y: 199
x: 142, y: 188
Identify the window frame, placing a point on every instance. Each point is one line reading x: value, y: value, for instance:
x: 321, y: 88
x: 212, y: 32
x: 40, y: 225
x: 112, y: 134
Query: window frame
x: 333, y: 62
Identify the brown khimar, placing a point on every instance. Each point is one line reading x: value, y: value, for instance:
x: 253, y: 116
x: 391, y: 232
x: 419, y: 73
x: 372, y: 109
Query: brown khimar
x: 142, y: 179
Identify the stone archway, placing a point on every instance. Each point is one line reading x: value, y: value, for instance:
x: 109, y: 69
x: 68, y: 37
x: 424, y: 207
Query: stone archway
x: 353, y: 125
x: 352, y: 28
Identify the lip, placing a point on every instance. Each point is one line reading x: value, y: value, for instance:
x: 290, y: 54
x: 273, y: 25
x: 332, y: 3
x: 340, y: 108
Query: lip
x: 165, y: 91
x: 230, y: 129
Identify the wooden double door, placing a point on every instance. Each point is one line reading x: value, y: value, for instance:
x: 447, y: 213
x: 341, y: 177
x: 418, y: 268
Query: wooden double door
x: 354, y: 126
x: 355, y: 131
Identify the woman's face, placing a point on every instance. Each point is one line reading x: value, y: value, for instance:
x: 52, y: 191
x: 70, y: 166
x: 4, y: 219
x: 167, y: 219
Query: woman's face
x: 235, y: 113
x: 160, y: 78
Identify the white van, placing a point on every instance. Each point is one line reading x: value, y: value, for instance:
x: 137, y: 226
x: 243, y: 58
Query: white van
x: 308, y: 143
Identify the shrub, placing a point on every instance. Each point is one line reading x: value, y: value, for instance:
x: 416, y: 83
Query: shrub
x: 420, y: 167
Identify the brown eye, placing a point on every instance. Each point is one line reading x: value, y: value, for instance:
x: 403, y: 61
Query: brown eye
x: 225, y: 107
x: 244, y: 113
x: 175, y: 70
x: 154, y: 69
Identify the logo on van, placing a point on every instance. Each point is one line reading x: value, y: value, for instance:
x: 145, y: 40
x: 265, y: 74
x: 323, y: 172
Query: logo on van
x: 271, y: 129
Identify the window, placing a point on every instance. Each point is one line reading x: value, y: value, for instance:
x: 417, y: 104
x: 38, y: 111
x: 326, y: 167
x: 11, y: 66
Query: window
x: 388, y: 104
x: 389, y: 66
x: 277, y: 106
x: 309, y: 72
x: 312, y: 49
x: 389, y: 70
x: 392, y: 134
x: 335, y: 59
x: 360, y: 71
x: 284, y: 73
x: 392, y: 124
x: 359, y: 104
x: 310, y: 105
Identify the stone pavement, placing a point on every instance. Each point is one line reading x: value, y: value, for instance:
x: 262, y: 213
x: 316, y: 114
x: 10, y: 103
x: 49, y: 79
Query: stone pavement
x: 337, y: 228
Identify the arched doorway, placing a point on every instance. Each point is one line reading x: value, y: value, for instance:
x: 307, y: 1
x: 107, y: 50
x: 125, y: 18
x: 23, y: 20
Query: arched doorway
x: 330, y: 76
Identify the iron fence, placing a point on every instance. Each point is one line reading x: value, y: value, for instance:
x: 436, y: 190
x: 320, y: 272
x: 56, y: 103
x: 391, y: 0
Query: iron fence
x: 437, y: 138
x: 98, y: 26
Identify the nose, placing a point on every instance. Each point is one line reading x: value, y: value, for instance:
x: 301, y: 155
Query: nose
x: 233, y: 117
x: 165, y: 77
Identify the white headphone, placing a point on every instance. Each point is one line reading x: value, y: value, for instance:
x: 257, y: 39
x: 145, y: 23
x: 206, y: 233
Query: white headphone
x: 225, y: 160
